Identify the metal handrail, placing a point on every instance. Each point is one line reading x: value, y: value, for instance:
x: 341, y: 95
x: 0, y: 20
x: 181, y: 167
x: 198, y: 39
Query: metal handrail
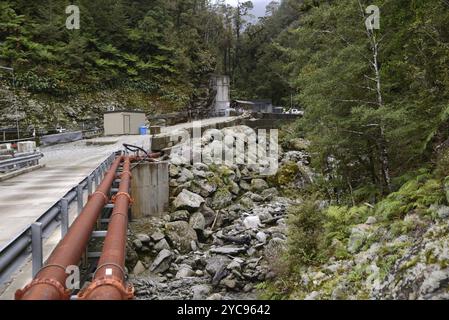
x: 16, y: 252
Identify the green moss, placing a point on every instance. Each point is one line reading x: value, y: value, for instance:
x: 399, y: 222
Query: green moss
x: 286, y: 174
x: 410, y: 264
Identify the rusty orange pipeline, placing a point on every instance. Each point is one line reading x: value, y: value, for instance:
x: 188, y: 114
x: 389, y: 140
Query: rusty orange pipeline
x: 109, y: 278
x: 49, y: 283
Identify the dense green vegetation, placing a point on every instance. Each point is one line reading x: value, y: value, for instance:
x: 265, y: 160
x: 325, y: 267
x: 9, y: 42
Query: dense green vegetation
x: 376, y: 114
x: 155, y: 55
x: 376, y: 101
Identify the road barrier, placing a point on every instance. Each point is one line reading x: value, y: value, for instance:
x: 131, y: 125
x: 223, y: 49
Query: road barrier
x: 15, y: 253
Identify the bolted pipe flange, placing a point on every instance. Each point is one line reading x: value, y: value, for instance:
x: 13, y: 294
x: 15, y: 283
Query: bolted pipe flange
x: 127, y: 292
x: 64, y: 294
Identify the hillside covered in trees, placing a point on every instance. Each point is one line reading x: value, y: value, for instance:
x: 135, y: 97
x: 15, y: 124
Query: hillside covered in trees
x: 371, y: 221
x: 154, y: 55
x: 376, y: 115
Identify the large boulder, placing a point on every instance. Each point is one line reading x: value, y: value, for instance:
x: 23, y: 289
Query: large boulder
x: 197, y: 221
x: 208, y: 214
x: 188, y: 200
x: 180, y: 235
x: 216, y: 263
x: 221, y: 199
x: 185, y: 175
x: 162, y: 261
x: 181, y: 215
x: 258, y: 185
x: 201, y: 291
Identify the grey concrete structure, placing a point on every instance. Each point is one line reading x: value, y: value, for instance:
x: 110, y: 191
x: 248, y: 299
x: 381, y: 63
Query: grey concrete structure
x: 221, y: 85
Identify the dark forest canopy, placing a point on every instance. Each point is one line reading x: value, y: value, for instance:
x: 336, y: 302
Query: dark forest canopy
x: 367, y: 95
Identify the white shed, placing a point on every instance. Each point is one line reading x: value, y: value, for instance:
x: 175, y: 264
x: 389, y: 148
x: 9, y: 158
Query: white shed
x: 123, y: 122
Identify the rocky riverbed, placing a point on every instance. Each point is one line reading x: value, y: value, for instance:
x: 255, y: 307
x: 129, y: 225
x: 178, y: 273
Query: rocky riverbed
x: 223, y: 235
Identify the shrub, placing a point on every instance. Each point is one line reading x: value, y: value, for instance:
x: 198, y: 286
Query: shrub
x: 306, y: 234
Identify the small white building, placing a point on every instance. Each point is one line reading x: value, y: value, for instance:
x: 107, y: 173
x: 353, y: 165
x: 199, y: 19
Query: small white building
x: 221, y: 85
x: 123, y: 122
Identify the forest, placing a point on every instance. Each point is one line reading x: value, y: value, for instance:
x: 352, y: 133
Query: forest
x: 376, y: 100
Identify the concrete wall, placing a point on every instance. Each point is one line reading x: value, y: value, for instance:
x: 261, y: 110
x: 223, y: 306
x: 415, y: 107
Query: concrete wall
x: 150, y: 190
x: 120, y: 123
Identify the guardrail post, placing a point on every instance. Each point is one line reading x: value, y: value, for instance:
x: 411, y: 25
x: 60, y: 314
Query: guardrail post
x: 36, y: 247
x: 89, y: 185
x: 79, y: 198
x: 64, y: 217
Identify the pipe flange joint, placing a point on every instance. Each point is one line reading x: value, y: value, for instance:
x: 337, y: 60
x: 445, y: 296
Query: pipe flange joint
x: 64, y: 294
x: 130, y: 199
x: 126, y: 292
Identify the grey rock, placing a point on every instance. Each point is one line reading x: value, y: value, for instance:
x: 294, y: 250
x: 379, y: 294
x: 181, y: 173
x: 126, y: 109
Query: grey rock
x: 245, y: 185
x: 261, y: 237
x: 228, y: 250
x: 208, y: 214
x: 188, y: 200
x: 193, y: 246
x: 314, y: 295
x: 199, y: 273
x: 434, y: 281
x: 181, y: 215
x: 215, y: 296
x: 184, y: 272
x: 162, y: 261
x: 200, y: 166
x: 161, y: 245
x: 157, y: 236
x: 197, y: 221
x: 221, y: 199
x: 258, y: 185
x: 443, y: 212
x: 229, y: 283
x: 234, y: 187
x: 181, y: 235
x: 201, y: 291
x: 269, y: 194
x: 144, y: 238
x: 199, y: 173
x: 357, y: 239
x: 139, y: 268
x: 185, y: 175
x: 246, y: 202
x: 252, y: 222
x: 215, y: 263
x: 371, y: 221
x: 137, y: 244
x: 235, y: 264
x: 173, y: 171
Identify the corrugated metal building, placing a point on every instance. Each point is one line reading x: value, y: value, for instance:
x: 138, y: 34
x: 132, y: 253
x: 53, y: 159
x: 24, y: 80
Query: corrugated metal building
x: 123, y: 122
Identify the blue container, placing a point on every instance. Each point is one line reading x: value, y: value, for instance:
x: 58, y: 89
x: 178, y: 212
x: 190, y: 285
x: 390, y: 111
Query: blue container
x: 143, y: 130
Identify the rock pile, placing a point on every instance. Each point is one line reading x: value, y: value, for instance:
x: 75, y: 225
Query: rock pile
x: 225, y: 226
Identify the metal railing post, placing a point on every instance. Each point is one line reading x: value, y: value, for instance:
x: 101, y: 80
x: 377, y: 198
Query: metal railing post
x: 79, y: 198
x: 36, y: 247
x: 89, y: 185
x: 64, y: 217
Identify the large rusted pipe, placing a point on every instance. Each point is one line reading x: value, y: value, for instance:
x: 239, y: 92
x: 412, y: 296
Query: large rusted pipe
x: 109, y: 279
x: 49, y: 283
